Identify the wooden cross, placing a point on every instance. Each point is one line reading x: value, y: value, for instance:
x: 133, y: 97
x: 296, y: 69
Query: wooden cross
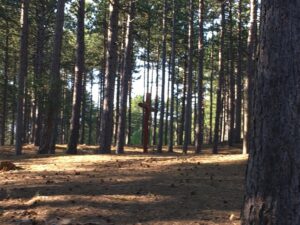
x: 147, y: 112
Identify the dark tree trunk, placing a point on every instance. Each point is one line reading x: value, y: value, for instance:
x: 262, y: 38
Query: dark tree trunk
x: 211, y: 81
x: 177, y: 109
x: 110, y: 74
x: 167, y: 107
x: 162, y: 104
x: 103, y: 68
x: 200, y: 118
x: 13, y: 104
x: 231, y: 78
x: 180, y: 138
x: 22, y: 76
x: 5, y: 86
x: 220, y: 83
x: 148, y: 47
x: 125, y: 78
x: 79, y: 70
x: 38, y: 70
x: 251, y: 46
x: 129, y: 112
x: 83, y: 111
x: 238, y: 115
x: 117, y: 109
x: 173, y: 75
x: 26, y: 117
x: 189, y: 83
x: 156, y: 102
x: 91, y: 113
x: 273, y: 175
x: 49, y: 131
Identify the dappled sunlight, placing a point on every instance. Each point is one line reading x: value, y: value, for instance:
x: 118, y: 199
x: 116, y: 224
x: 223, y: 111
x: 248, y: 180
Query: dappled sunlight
x: 124, y: 189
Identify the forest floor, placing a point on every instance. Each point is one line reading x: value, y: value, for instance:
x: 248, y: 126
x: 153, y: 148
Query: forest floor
x: 133, y: 188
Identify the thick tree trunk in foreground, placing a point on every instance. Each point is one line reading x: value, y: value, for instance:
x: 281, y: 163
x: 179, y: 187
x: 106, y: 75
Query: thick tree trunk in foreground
x: 125, y: 78
x: 79, y: 71
x: 22, y: 76
x: 47, y: 144
x: 106, y: 131
x: 273, y: 175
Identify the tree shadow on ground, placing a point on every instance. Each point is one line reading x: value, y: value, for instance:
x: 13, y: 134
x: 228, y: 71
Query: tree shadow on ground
x: 130, y: 191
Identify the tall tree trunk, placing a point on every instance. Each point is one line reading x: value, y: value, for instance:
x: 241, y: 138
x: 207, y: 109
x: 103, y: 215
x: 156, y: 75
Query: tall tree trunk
x: 103, y: 67
x: 148, y: 46
x: 129, y: 112
x: 26, y: 117
x: 273, y: 175
x: 156, y: 101
x: 211, y: 82
x: 188, y: 105
x: 180, y: 138
x: 49, y: 130
x: 13, y: 104
x: 38, y: 69
x: 251, y: 46
x: 79, y: 70
x: 162, y: 105
x: 5, y: 86
x: 91, y: 113
x: 200, y: 122
x: 220, y: 82
x: 83, y: 110
x: 125, y: 78
x: 231, y: 78
x: 22, y: 76
x: 167, y: 106
x: 173, y: 75
x: 177, y: 109
x: 110, y: 74
x: 238, y: 115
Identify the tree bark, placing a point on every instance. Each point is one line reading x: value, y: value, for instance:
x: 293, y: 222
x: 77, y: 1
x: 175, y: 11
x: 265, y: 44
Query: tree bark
x: 173, y: 75
x: 129, y: 112
x: 220, y: 82
x: 200, y: 118
x: 110, y: 74
x: 125, y: 78
x: 273, y: 175
x: 231, y: 79
x: 162, y: 97
x: 188, y: 105
x: 22, y: 76
x: 239, y: 77
x: 49, y: 131
x: 79, y: 71
x: 211, y: 81
x: 251, y: 46
x: 156, y: 101
x: 5, y: 86
x: 181, y: 131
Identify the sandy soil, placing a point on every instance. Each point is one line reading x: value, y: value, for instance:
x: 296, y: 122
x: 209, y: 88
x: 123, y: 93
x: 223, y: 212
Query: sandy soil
x: 130, y: 189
